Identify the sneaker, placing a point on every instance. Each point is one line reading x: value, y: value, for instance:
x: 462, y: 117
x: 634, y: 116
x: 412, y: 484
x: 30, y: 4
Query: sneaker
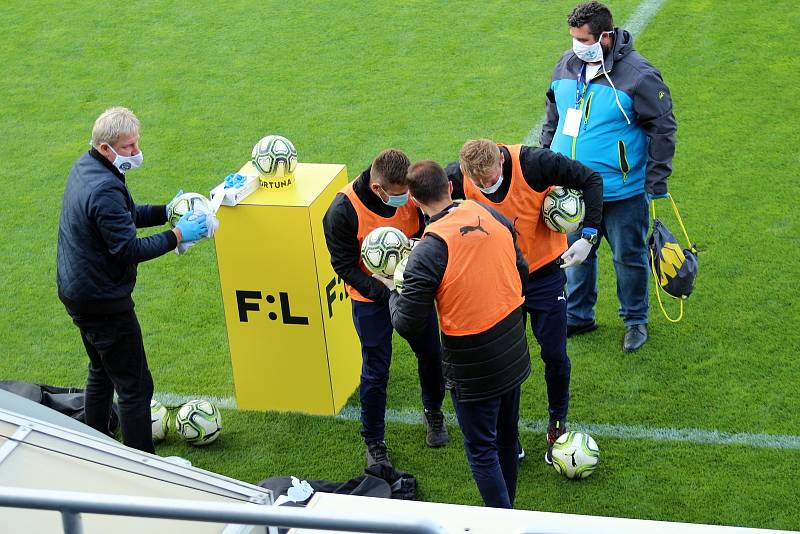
x: 377, y: 453
x: 436, y: 431
x: 554, y: 431
x: 520, y: 451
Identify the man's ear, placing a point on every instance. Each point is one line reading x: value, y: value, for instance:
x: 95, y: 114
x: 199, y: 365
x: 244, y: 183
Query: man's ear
x: 451, y: 187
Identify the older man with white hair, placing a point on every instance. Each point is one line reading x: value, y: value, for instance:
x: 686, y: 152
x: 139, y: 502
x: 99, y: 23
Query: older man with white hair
x: 98, y: 252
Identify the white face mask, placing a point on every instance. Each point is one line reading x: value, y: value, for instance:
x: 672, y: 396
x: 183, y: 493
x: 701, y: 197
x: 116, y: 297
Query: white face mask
x: 126, y: 163
x: 588, y: 53
x: 492, y: 188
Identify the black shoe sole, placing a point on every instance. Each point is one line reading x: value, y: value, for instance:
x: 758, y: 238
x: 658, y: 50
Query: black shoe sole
x: 581, y: 329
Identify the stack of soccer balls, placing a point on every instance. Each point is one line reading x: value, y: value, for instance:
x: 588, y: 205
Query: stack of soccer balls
x: 275, y: 159
x: 198, y: 422
x: 563, y: 210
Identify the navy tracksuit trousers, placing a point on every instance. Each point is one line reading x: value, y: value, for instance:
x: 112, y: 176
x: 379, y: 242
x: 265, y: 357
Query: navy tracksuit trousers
x: 374, y: 327
x: 546, y: 304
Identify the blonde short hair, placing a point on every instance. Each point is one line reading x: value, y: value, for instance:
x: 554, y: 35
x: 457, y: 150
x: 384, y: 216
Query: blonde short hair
x: 479, y: 158
x: 112, y: 124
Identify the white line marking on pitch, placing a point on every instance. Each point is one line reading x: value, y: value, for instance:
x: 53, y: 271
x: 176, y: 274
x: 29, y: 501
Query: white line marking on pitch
x: 636, y: 25
x: 689, y: 435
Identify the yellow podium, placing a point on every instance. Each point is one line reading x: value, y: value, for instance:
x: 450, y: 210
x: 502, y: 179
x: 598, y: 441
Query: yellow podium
x: 291, y: 336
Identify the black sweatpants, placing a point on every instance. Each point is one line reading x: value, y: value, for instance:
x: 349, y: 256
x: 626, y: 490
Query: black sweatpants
x: 117, y: 361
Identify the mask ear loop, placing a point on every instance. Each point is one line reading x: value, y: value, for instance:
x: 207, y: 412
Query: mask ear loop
x: 616, y: 96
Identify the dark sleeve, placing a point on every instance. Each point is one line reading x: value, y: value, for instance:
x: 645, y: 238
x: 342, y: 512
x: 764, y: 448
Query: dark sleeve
x: 522, y: 265
x: 453, y: 171
x: 424, y: 273
x: 341, y: 236
x: 543, y: 168
x: 551, y: 118
x: 652, y: 103
x: 109, y: 209
x: 148, y: 215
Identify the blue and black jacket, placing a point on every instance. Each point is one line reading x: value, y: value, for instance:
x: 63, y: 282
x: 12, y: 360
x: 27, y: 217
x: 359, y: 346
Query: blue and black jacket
x: 631, y: 158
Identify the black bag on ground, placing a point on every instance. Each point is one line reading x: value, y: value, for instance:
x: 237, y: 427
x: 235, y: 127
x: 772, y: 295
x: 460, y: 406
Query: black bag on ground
x: 69, y: 401
x: 377, y: 481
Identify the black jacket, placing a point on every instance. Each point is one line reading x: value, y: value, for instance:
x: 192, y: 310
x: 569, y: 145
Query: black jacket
x: 341, y: 235
x: 478, y: 366
x: 97, y: 245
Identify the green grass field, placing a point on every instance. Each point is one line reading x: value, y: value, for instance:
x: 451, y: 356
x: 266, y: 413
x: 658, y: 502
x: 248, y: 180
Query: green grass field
x: 344, y: 80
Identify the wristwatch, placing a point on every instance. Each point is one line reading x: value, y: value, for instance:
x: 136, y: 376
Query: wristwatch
x: 590, y: 235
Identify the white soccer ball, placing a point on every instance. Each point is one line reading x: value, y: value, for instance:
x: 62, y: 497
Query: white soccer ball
x: 274, y: 157
x: 399, y: 272
x: 198, y: 422
x: 575, y: 455
x: 563, y: 209
x: 186, y: 203
x: 159, y: 419
x: 383, y: 248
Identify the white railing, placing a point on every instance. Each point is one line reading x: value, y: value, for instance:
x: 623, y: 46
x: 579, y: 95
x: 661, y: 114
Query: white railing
x: 72, y: 504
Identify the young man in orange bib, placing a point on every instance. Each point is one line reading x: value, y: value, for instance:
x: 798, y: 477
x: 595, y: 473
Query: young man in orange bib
x: 379, y: 197
x: 514, y: 179
x: 469, y: 266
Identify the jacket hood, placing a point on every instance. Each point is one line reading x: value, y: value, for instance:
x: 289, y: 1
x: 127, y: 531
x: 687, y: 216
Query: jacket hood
x: 623, y: 45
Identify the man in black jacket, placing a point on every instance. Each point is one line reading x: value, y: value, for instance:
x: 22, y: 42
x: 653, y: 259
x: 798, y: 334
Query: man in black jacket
x: 515, y: 179
x: 469, y: 265
x: 98, y: 252
x: 377, y: 198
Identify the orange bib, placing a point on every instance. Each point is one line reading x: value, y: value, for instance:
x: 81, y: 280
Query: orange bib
x: 481, y: 284
x: 405, y: 219
x: 523, y: 206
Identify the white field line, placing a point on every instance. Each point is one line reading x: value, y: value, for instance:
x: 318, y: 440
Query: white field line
x: 688, y: 435
x: 636, y: 25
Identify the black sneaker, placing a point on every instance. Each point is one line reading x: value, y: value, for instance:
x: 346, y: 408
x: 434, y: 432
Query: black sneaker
x: 554, y: 430
x: 377, y: 453
x: 436, y: 431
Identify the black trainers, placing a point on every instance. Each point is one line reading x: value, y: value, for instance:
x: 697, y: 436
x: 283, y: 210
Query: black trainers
x: 436, y: 431
x: 578, y: 329
x: 377, y: 453
x: 554, y: 430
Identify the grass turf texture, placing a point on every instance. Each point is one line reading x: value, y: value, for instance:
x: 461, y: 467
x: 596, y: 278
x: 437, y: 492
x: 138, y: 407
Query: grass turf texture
x: 347, y: 80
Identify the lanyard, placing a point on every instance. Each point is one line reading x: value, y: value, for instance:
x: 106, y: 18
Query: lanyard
x: 579, y: 86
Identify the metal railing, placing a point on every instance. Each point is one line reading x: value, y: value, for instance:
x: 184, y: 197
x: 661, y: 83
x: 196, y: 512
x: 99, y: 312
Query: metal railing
x: 72, y: 504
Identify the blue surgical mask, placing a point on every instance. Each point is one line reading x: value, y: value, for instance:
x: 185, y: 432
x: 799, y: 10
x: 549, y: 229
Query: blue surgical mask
x: 394, y: 201
x: 126, y: 163
x: 493, y: 188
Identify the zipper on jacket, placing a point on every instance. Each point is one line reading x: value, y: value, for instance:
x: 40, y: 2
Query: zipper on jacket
x: 623, y: 160
x: 581, y: 107
x: 587, y: 110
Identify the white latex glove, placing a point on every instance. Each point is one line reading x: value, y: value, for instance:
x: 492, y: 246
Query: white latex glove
x: 576, y: 254
x: 388, y: 282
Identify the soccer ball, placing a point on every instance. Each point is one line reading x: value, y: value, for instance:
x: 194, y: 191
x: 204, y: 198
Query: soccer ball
x: 575, y: 455
x: 198, y: 422
x: 274, y: 157
x: 159, y: 419
x: 562, y: 210
x: 383, y: 248
x: 186, y: 203
x: 399, y: 271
